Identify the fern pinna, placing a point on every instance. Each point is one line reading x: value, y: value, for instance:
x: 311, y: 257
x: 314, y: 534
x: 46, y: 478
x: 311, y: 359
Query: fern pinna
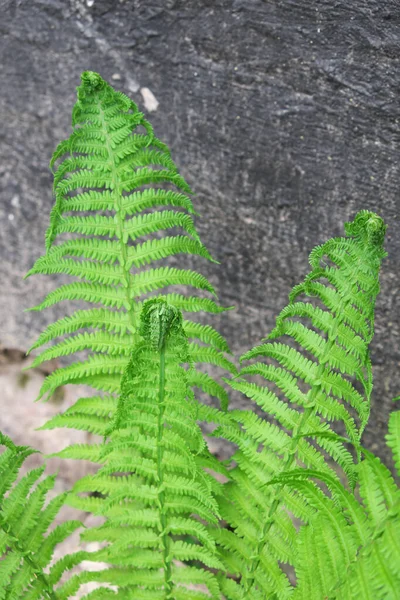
x: 152, y: 487
x: 108, y: 192
x: 320, y: 373
x: 25, y: 549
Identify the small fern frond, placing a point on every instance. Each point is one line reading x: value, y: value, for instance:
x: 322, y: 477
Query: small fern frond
x: 25, y: 549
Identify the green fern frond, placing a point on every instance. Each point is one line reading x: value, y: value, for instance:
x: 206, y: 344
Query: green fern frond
x: 26, y: 545
x: 154, y: 487
x: 115, y: 171
x: 351, y: 545
x: 320, y: 377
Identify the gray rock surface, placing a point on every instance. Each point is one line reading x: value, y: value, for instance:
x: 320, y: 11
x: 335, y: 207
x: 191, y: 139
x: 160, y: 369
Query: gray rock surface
x: 283, y: 116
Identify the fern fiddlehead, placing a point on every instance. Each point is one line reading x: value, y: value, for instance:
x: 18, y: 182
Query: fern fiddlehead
x: 157, y: 321
x: 345, y: 286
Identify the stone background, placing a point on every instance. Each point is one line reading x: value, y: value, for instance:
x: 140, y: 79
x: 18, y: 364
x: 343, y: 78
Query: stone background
x: 283, y: 115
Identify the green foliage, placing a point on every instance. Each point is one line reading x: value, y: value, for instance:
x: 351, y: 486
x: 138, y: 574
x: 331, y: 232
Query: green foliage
x: 318, y: 376
x: 111, y: 178
x: 25, y: 549
x: 353, y: 546
x: 151, y: 487
x: 301, y: 510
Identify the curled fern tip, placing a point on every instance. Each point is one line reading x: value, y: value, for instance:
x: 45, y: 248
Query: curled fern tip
x: 367, y: 226
x: 158, y: 320
x: 92, y: 81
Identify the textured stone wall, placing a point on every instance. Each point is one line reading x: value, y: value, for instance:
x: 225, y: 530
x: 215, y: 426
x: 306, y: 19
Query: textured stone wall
x: 283, y: 115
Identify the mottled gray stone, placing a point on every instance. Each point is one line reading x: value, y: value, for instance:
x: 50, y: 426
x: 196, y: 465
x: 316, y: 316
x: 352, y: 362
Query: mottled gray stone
x: 283, y: 116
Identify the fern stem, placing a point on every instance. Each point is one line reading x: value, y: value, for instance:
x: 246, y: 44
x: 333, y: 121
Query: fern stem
x: 116, y: 193
x: 161, y: 496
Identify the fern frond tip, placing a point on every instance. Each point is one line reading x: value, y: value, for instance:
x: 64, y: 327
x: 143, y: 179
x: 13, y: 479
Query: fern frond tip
x: 368, y: 226
x: 158, y: 320
x: 92, y: 81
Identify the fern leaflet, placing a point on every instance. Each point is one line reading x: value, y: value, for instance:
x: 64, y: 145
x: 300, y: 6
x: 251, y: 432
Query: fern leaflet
x: 25, y: 549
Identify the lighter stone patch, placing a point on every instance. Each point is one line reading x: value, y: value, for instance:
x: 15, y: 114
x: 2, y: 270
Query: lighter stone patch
x: 133, y: 85
x: 150, y: 101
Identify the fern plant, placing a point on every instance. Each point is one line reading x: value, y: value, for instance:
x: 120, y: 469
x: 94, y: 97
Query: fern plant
x: 165, y: 494
x: 349, y: 549
x: 301, y: 510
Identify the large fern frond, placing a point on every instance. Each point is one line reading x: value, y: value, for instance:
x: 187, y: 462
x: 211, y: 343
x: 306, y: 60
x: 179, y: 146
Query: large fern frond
x: 112, y: 178
x: 317, y: 376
